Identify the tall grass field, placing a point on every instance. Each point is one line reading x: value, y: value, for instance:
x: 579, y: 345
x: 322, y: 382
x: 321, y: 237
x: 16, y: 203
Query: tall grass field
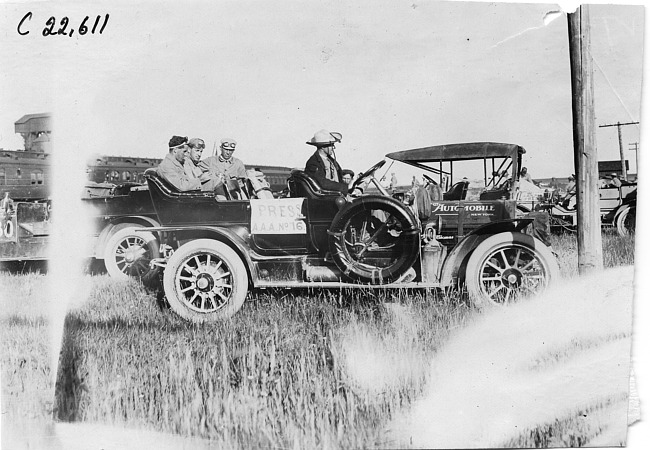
x: 293, y: 369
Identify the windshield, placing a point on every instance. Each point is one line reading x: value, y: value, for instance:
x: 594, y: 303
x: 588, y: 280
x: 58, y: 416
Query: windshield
x: 482, y: 174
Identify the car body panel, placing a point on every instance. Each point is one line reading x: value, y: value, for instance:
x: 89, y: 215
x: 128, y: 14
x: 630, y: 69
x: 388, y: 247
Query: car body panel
x: 610, y: 201
x: 33, y: 221
x: 25, y: 230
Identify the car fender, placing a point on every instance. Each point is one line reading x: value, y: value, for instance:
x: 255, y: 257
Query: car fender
x: 617, y: 212
x: 225, y: 235
x: 109, y: 229
x: 457, y: 258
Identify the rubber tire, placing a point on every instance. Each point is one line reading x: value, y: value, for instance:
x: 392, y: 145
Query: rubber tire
x: 358, y: 272
x: 111, y: 246
x: 493, y: 243
x: 230, y: 259
x: 112, y: 230
x: 621, y: 229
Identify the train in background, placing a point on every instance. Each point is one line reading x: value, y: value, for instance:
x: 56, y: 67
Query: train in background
x: 26, y: 174
x: 123, y: 169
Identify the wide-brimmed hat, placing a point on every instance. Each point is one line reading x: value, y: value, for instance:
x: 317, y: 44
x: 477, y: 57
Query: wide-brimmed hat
x: 177, y: 141
x: 324, y: 138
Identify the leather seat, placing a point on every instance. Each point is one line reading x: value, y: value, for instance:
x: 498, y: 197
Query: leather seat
x: 457, y: 192
x: 164, y: 188
x: 301, y: 184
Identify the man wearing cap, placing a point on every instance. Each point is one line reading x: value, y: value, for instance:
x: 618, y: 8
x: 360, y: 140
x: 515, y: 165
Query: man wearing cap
x: 569, y: 199
x: 322, y: 165
x: 348, y: 176
x: 225, y: 166
x: 171, y: 168
x: 571, y: 186
x: 193, y: 170
x: 614, y: 182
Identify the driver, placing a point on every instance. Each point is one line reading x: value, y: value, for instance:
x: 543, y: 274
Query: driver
x: 322, y: 165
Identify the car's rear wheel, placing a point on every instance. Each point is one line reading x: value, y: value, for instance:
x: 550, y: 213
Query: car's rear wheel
x: 508, y: 266
x: 128, y: 253
x: 626, y: 221
x: 205, y: 281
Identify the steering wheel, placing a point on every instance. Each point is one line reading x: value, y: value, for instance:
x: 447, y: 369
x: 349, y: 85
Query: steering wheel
x: 368, y: 174
x: 429, y: 179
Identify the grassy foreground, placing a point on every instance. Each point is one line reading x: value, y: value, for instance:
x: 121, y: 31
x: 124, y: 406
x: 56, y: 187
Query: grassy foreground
x: 271, y: 377
x: 322, y: 369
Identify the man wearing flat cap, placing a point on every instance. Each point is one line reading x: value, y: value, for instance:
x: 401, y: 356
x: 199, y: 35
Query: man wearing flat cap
x: 171, y: 168
x: 193, y: 169
x: 225, y: 166
x: 348, y: 176
x: 322, y: 165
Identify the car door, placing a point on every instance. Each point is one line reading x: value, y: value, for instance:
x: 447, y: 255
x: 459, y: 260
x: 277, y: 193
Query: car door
x: 279, y: 226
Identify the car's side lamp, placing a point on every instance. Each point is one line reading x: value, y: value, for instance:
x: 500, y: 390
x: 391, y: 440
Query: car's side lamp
x: 429, y: 233
x: 431, y: 229
x: 340, y: 202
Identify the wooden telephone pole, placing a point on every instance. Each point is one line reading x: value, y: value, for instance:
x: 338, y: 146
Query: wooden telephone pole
x: 590, y: 246
x: 618, y: 125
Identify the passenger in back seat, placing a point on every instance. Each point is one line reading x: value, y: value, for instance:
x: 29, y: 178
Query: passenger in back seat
x: 226, y: 167
x: 209, y: 181
x: 225, y: 164
x: 171, y: 168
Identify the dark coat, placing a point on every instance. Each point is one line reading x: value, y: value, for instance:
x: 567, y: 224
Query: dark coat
x: 316, y: 168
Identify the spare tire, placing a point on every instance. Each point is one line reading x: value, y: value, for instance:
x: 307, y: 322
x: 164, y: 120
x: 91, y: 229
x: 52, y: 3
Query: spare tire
x: 374, y: 239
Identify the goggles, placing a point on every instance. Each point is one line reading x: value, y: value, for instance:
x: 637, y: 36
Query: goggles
x: 229, y: 146
x: 200, y: 145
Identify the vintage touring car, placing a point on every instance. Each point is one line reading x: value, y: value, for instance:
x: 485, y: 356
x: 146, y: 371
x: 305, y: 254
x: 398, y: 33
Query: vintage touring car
x: 617, y: 209
x: 214, y: 251
x: 623, y: 216
x: 113, y: 210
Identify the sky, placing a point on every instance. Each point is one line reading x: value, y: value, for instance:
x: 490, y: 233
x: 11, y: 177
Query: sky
x: 388, y: 75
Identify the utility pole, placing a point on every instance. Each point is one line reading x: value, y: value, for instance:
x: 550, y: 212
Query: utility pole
x: 590, y: 246
x: 618, y: 125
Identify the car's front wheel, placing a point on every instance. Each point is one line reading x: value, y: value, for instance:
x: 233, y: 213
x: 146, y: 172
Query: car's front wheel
x: 205, y: 281
x: 507, y: 266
